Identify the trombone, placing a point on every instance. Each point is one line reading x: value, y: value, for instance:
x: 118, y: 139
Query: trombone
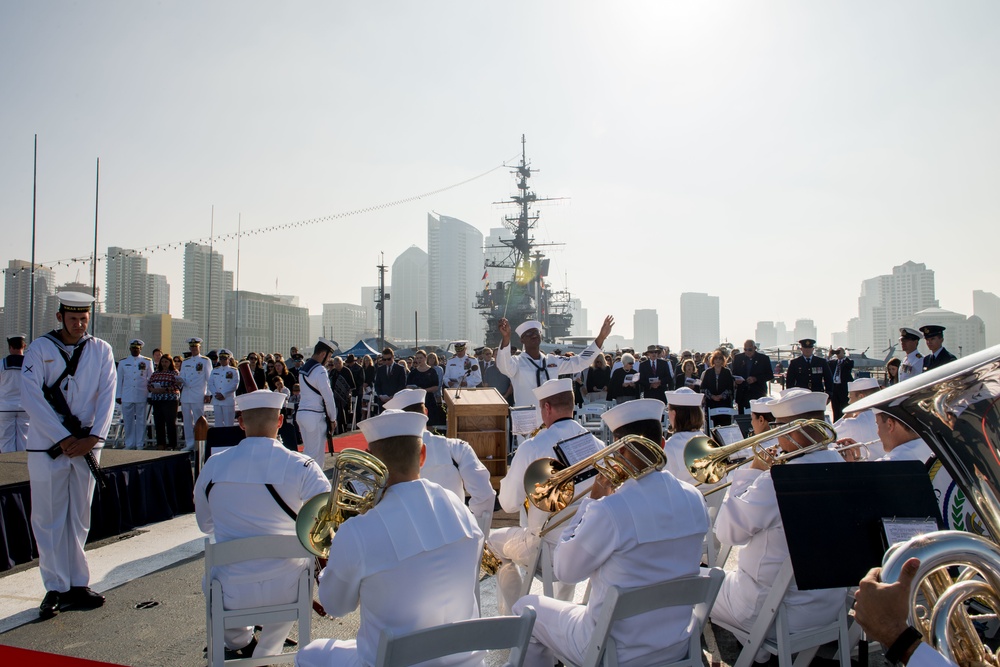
x: 708, y: 462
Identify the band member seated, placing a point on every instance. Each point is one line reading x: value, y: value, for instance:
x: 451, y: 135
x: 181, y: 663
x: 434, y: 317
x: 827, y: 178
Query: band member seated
x: 686, y: 420
x: 412, y: 561
x: 749, y: 518
x: 648, y: 531
x: 451, y: 462
x: 859, y: 426
x: 237, y: 495
x: 901, y: 443
x: 518, y: 545
x: 760, y: 415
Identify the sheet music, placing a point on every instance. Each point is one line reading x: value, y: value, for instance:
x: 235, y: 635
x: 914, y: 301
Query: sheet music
x: 524, y: 419
x: 579, y: 447
x: 901, y: 530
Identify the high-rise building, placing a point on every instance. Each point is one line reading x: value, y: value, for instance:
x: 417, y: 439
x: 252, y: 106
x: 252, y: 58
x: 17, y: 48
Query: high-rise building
x: 645, y: 328
x: 986, y: 306
x: 454, y: 272
x: 157, y: 294
x: 781, y: 332
x: 315, y: 331
x: 766, y: 334
x: 205, y: 287
x: 409, y: 316
x: 265, y: 323
x: 805, y: 329
x: 888, y: 302
x: 579, y: 313
x: 127, y: 292
x: 963, y: 335
x: 699, y: 322
x: 17, y: 298
x: 343, y: 323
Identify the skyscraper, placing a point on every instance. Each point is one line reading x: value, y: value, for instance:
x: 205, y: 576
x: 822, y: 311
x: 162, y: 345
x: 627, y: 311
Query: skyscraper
x: 157, y: 294
x: 454, y: 272
x: 17, y: 298
x: 127, y: 292
x: 888, y: 302
x: 343, y: 323
x: 766, y: 334
x: 645, y: 328
x: 265, y: 322
x: 804, y: 329
x: 699, y: 321
x: 205, y: 286
x: 963, y: 335
x: 409, y: 297
x: 986, y: 306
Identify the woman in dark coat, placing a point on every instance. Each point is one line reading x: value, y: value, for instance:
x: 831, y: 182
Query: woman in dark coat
x: 719, y: 387
x: 618, y: 389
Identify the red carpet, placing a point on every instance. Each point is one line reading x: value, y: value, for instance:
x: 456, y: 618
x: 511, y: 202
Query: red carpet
x: 350, y: 441
x: 15, y: 657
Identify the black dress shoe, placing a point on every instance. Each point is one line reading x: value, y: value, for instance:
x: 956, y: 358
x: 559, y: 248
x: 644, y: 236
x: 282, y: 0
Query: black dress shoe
x: 82, y: 596
x: 50, y: 604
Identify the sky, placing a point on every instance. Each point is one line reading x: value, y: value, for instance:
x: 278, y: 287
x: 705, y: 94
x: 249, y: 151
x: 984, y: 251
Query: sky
x: 774, y: 154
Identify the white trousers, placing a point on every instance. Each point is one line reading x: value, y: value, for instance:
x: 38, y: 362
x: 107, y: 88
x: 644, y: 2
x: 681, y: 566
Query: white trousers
x: 274, y: 590
x: 134, y: 419
x: 519, y: 546
x: 190, y: 413
x: 225, y: 414
x: 61, y: 492
x: 329, y: 653
x: 13, y: 432
x: 312, y: 426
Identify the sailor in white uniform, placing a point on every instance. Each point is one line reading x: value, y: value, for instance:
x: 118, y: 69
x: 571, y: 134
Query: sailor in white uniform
x: 462, y: 370
x: 317, y: 409
x: 749, y: 518
x: 13, y: 418
x: 901, y: 443
x: 859, y: 426
x: 133, y: 382
x: 237, y: 495
x: 451, y: 462
x: 687, y: 418
x: 62, y: 487
x: 518, y: 545
x: 531, y: 368
x: 650, y: 530
x: 412, y: 561
x: 913, y: 363
x: 196, y: 370
x: 222, y: 386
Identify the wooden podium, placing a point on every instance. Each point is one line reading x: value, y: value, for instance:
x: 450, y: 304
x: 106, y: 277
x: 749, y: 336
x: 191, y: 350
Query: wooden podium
x: 479, y: 416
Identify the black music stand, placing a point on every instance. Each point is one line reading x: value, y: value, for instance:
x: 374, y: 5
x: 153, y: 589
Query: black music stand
x: 832, y: 514
x: 223, y: 436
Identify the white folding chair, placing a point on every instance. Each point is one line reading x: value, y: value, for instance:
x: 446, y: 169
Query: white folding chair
x: 478, y: 634
x: 116, y: 434
x: 542, y: 563
x: 719, y: 412
x: 622, y: 603
x: 714, y: 552
x: 589, y: 417
x: 218, y: 619
x: 804, y: 643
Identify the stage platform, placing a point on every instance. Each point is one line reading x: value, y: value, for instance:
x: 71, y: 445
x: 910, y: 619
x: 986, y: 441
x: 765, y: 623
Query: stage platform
x: 143, y: 487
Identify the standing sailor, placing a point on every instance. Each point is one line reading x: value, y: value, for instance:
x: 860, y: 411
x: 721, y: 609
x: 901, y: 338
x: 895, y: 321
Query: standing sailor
x: 68, y: 384
x: 913, y: 363
x: 317, y: 412
x: 462, y: 370
x: 134, y: 372
x: 809, y: 371
x: 13, y: 418
x: 531, y: 369
x: 938, y: 355
x: 195, y: 373
x: 222, y: 386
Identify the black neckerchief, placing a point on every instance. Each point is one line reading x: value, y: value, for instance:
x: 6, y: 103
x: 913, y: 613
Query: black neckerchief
x: 539, y: 369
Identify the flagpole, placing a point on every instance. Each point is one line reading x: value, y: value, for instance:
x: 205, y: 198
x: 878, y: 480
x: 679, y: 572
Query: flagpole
x: 97, y: 201
x: 236, y: 343
x: 31, y: 292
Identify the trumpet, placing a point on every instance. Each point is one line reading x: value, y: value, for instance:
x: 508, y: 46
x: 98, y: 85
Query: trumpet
x: 549, y: 486
x: 863, y: 455
x: 707, y: 461
x: 359, y: 479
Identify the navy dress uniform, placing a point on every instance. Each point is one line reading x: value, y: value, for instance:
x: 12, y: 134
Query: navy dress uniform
x: 809, y: 372
x: 939, y: 356
x: 222, y: 385
x: 913, y: 364
x: 134, y: 372
x: 13, y: 418
x: 196, y: 370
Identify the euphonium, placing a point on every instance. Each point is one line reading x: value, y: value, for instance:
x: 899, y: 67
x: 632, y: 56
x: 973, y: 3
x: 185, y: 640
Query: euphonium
x: 356, y: 486
x: 708, y: 462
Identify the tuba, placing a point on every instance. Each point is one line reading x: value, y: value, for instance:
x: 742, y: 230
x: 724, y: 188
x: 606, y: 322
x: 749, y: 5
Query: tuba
x: 357, y: 485
x: 954, y: 408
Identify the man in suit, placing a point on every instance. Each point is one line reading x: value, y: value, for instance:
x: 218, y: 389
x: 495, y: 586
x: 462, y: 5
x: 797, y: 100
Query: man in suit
x: 655, y: 375
x: 938, y: 355
x: 809, y: 371
x: 751, y: 372
x: 389, y: 377
x: 841, y: 369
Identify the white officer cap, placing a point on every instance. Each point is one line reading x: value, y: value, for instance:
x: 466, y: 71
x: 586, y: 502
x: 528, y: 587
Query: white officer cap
x: 553, y: 387
x: 262, y: 399
x: 393, y: 423
x: 685, y: 396
x: 75, y: 302
x: 524, y: 327
x: 226, y: 352
x: 798, y: 401
x: 912, y: 334
x: 136, y: 341
x: 460, y: 343
x: 633, y: 411
x: 761, y: 406
x: 863, y: 384
x: 194, y: 341
x: 405, y: 398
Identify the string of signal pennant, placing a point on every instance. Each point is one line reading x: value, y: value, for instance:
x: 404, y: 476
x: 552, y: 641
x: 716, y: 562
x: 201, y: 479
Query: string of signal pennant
x: 134, y: 252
